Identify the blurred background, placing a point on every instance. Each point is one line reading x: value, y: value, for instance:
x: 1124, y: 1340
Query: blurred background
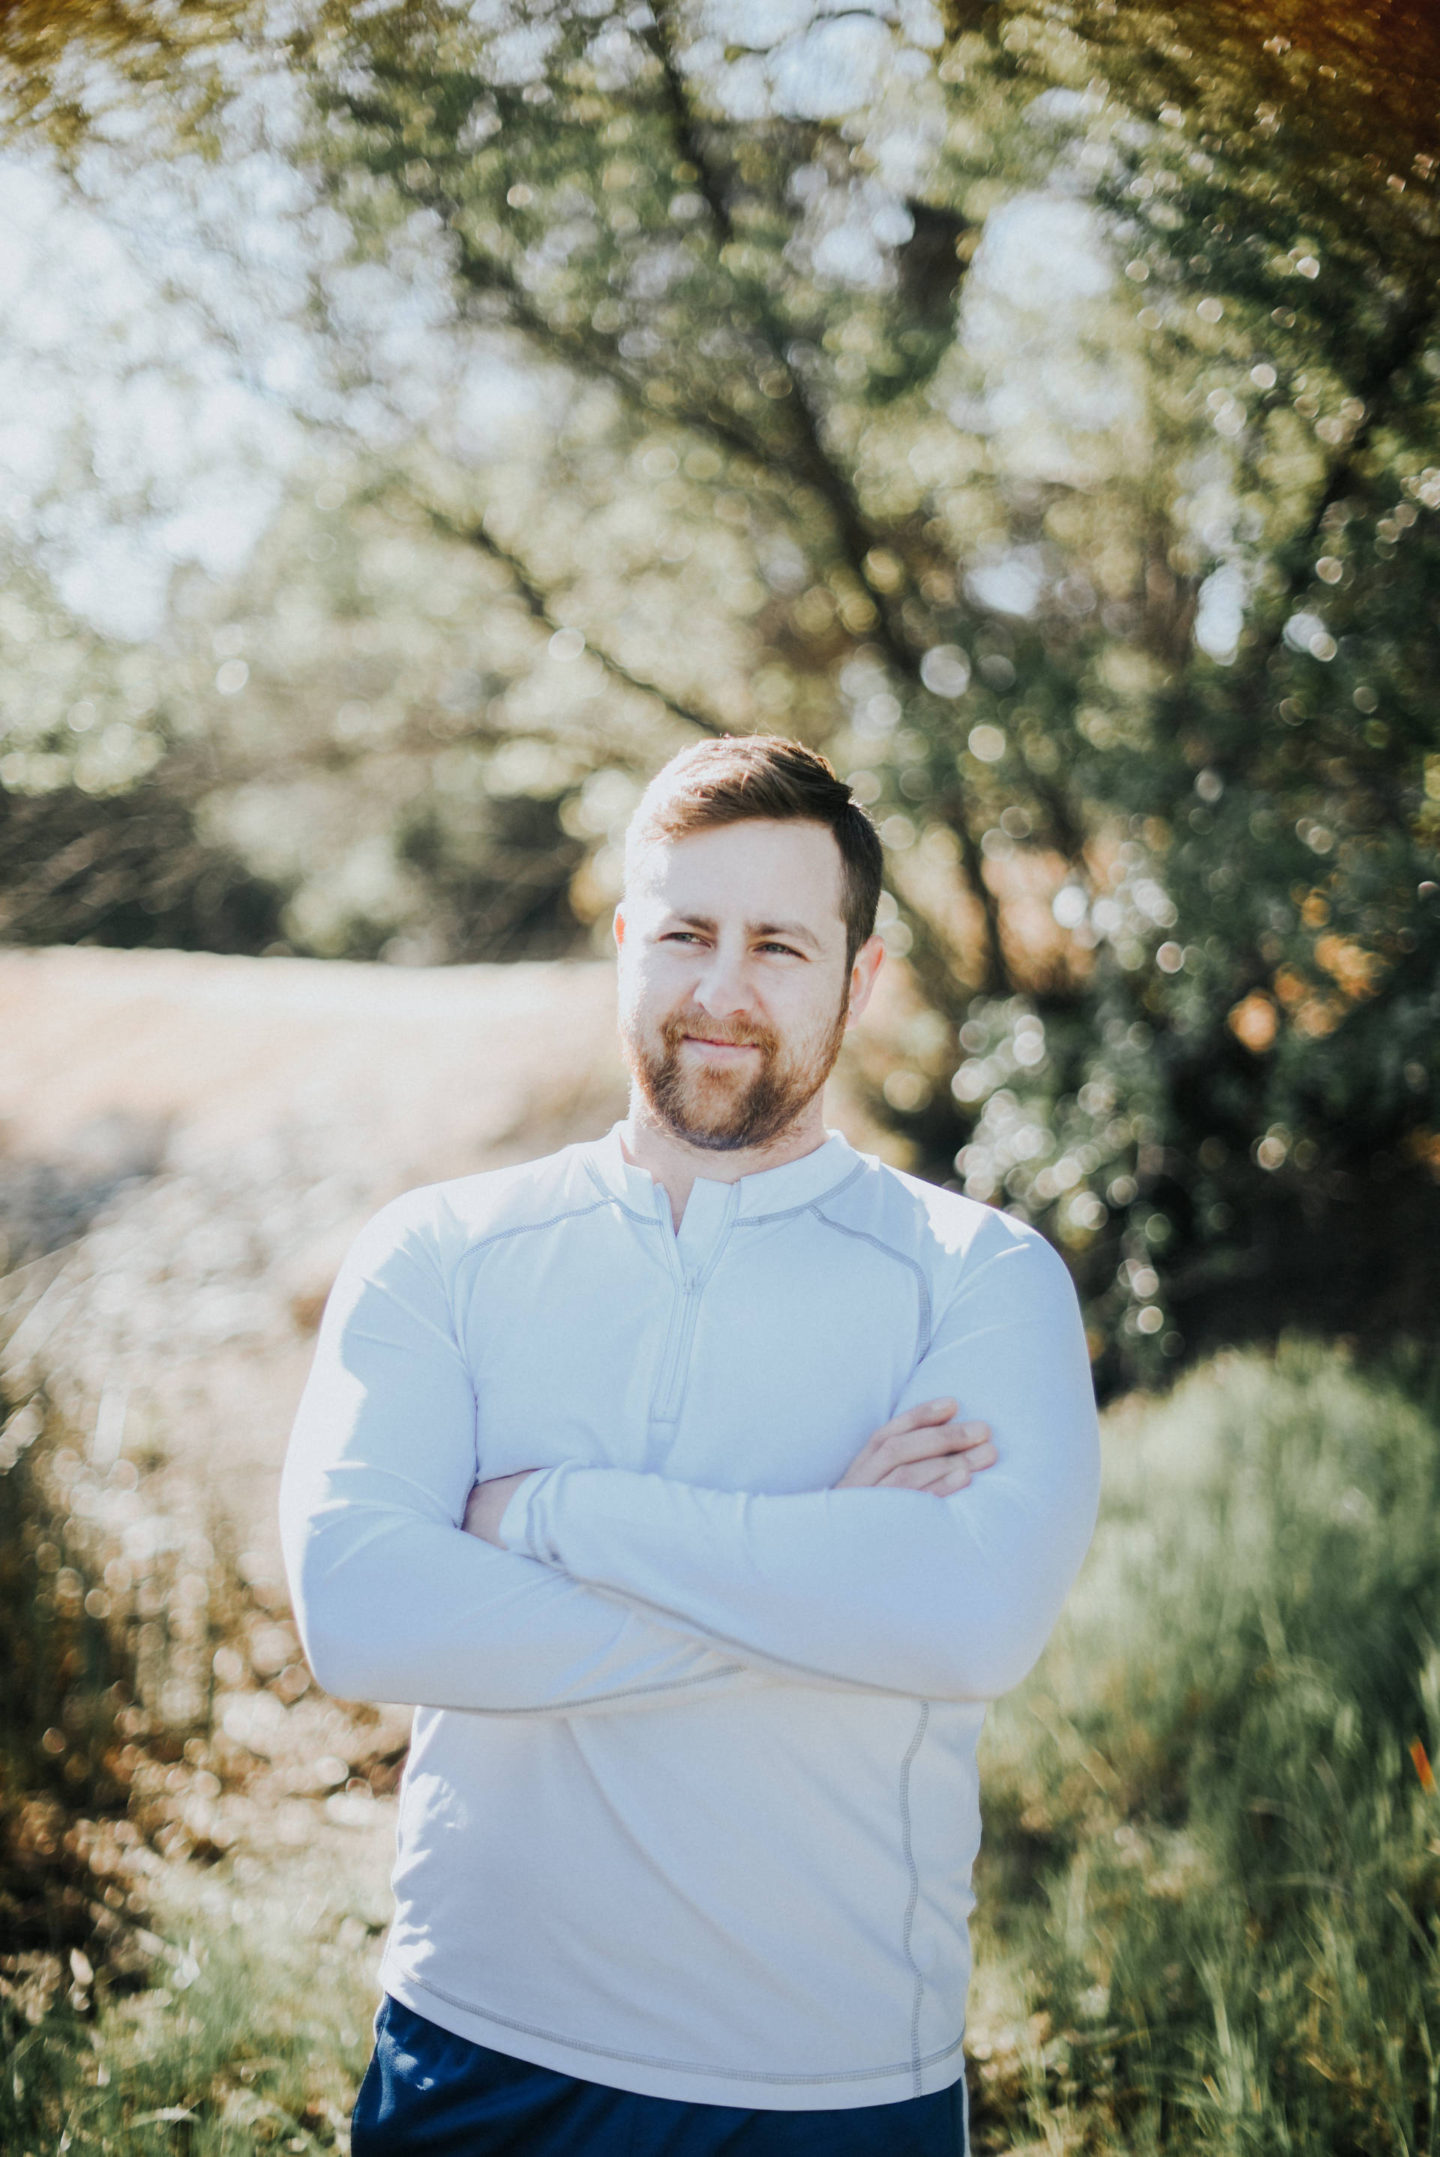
x: 416, y: 422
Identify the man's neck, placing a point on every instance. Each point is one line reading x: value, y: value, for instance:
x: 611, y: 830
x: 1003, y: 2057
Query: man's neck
x: 676, y: 1165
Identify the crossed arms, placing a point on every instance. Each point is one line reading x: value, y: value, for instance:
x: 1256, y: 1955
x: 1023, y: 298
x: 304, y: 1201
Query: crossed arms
x: 621, y: 1591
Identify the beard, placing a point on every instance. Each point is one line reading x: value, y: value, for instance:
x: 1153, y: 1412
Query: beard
x: 727, y: 1110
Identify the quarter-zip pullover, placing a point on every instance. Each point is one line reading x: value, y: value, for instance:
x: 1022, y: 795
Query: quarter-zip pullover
x: 691, y: 1803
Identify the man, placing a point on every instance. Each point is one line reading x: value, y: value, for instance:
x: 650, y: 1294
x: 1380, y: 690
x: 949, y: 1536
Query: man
x: 642, y: 1471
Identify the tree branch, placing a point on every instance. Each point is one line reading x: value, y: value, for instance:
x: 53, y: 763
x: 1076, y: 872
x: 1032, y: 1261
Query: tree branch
x: 855, y: 537
x: 816, y: 465
x: 1406, y: 340
x: 540, y: 605
x: 996, y: 976
x: 486, y: 274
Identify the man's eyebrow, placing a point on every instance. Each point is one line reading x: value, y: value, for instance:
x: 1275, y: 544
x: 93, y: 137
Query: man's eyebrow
x: 794, y: 931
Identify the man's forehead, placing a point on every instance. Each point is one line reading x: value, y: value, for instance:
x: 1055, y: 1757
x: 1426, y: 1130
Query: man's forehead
x: 761, y: 867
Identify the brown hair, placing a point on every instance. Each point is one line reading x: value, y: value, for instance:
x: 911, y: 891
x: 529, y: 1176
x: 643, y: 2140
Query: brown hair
x: 741, y: 777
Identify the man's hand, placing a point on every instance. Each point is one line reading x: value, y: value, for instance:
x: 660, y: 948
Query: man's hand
x: 926, y: 1448
x: 485, y: 1506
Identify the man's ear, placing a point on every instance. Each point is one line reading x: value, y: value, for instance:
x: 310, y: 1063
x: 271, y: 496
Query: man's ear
x: 867, y: 963
x: 618, y: 925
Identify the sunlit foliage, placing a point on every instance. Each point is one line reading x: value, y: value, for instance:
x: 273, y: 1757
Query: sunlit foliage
x: 1046, y: 432
x: 66, y: 64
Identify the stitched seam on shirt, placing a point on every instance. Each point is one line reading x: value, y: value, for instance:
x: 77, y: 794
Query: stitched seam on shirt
x: 678, y: 2067
x: 783, y: 1213
x: 525, y: 1228
x: 907, y: 1839
x: 901, y: 1258
x: 647, y: 1220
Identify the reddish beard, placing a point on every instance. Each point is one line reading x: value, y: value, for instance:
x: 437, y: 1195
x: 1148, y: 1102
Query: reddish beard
x: 727, y: 1109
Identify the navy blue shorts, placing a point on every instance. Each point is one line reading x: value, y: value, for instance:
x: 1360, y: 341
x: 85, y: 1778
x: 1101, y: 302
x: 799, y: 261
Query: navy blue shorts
x: 428, y: 2094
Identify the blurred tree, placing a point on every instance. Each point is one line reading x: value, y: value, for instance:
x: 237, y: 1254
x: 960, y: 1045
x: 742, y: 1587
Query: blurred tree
x: 102, y: 799
x: 128, y: 870
x: 1118, y: 608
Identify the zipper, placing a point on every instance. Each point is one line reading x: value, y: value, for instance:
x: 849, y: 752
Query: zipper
x: 665, y: 1406
x: 670, y: 1387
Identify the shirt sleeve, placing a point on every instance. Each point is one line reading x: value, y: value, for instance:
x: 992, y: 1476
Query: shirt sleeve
x: 393, y: 1600
x: 938, y: 1598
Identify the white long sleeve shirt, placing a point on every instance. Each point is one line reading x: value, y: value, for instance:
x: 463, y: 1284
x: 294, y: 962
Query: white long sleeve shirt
x: 691, y: 1804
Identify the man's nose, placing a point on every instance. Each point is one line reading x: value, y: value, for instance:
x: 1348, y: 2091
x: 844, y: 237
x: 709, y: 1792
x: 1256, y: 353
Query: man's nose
x: 722, y: 986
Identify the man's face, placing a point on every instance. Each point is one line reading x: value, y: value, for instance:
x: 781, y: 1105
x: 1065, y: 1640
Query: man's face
x: 734, y: 991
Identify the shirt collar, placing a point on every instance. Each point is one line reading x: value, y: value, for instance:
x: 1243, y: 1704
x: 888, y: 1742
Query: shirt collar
x: 771, y: 1190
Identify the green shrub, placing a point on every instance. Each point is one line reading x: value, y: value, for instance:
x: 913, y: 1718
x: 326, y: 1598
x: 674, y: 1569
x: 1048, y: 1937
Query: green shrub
x: 1212, y: 1862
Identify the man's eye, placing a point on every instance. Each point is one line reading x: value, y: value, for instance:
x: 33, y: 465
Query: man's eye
x: 679, y: 936
x: 788, y: 949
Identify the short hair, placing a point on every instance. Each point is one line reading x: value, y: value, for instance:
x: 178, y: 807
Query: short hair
x: 736, y: 779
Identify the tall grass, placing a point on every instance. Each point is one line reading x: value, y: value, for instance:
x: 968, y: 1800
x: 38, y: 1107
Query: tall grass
x: 255, y: 2039
x: 147, y: 2006
x: 111, y: 1607
x: 1211, y: 1876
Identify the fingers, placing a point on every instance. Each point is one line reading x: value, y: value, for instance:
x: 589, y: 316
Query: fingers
x: 928, y: 1442
x: 925, y: 1474
x: 950, y: 1472
x: 975, y: 1439
x: 949, y: 1484
x: 929, y: 1433
x: 944, y: 1472
x: 923, y: 1417
x: 934, y: 1420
